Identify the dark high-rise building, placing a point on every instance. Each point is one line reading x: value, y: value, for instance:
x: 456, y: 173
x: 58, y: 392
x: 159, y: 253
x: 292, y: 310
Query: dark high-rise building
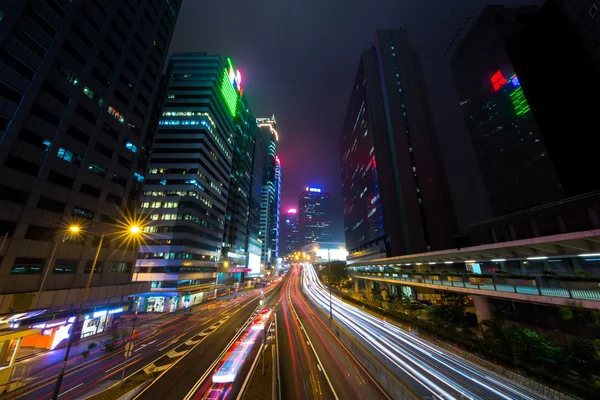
x: 270, y: 192
x: 527, y: 133
x: 236, y: 237
x: 314, y: 217
x: 78, y: 81
x: 513, y: 159
x: 291, y: 232
x: 186, y: 190
x: 395, y: 195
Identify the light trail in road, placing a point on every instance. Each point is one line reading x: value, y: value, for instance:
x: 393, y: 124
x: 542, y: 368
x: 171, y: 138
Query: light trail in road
x: 424, y: 366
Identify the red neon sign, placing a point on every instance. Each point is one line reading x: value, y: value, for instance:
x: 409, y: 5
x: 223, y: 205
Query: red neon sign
x: 497, y: 80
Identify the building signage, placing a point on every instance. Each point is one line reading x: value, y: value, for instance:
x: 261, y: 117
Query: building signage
x: 103, y: 313
x: 53, y: 324
x: 314, y: 190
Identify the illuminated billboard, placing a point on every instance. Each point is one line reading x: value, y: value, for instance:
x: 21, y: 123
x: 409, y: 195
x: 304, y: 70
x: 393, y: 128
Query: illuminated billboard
x: 254, y: 264
x: 231, y: 87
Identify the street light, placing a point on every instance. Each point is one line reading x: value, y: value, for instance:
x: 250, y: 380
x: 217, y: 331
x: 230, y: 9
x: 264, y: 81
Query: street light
x: 132, y: 232
x: 72, y: 230
x: 316, y: 248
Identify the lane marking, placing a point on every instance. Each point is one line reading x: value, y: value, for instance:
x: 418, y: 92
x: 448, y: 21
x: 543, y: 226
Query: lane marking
x: 121, y: 364
x: 168, y: 366
x: 67, y: 391
x: 313, y: 349
x: 166, y: 340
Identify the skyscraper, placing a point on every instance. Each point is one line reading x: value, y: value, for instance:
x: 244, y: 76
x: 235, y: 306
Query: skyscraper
x: 513, y: 160
x: 394, y: 188
x: 529, y: 147
x: 274, y: 221
x: 291, y: 233
x: 186, y: 191
x: 270, y: 191
x: 236, y: 237
x: 314, y: 217
x: 77, y: 85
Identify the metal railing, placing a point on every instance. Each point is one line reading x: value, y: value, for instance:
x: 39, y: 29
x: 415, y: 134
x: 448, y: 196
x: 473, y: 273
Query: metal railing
x: 492, y: 283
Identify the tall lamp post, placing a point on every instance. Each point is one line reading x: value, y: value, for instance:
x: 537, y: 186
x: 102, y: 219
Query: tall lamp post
x: 133, y: 230
x: 61, y: 237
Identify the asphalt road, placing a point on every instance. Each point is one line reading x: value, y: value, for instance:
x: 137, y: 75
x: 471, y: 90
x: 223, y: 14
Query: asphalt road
x: 314, y: 364
x: 178, y: 330
x: 190, y: 377
x: 431, y: 371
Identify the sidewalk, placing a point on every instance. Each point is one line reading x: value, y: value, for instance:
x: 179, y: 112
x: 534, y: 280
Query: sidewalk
x: 48, y: 363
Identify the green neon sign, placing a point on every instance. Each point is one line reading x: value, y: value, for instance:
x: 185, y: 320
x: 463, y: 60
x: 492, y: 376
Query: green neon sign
x: 519, y: 101
x: 229, y: 93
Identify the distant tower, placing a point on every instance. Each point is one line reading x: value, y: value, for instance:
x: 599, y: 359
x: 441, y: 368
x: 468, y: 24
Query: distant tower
x: 314, y: 217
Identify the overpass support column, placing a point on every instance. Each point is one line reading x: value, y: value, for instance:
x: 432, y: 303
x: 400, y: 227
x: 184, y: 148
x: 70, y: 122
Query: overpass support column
x: 482, y: 309
x: 368, y: 286
x: 355, y: 285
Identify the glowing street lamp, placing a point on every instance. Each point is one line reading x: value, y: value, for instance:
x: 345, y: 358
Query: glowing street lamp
x: 131, y: 232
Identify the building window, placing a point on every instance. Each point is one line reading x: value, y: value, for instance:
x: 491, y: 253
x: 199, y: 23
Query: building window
x: 124, y: 162
x: 138, y: 177
x: 119, y: 180
x: 96, y: 169
x: 19, y: 164
x: 10, y: 94
x: 110, y: 131
x: 77, y: 134
x: 14, y: 195
x: 82, y: 212
x: 100, y: 78
x: 46, y: 115
x: 67, y: 73
x: 93, y: 95
x: 41, y: 22
x: 114, y: 199
x: 34, y: 139
x: 102, y: 149
x: 116, y: 114
x: 35, y: 232
x: 51, y: 205
x: 131, y: 147
x: 69, y: 156
x: 70, y: 50
x: 24, y: 265
x: 90, y: 190
x: 88, y: 267
x: 86, y: 114
x: 65, y: 266
x: 119, y: 267
x: 61, y: 180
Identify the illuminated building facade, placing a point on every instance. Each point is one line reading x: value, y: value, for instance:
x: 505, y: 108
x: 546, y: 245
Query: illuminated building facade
x: 186, y: 190
x: 270, y: 191
x: 395, y: 195
x: 237, y: 234
x: 78, y: 82
x: 292, y: 234
x: 314, y: 217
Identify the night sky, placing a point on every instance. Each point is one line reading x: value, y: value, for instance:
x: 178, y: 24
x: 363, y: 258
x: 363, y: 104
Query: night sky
x: 298, y: 59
